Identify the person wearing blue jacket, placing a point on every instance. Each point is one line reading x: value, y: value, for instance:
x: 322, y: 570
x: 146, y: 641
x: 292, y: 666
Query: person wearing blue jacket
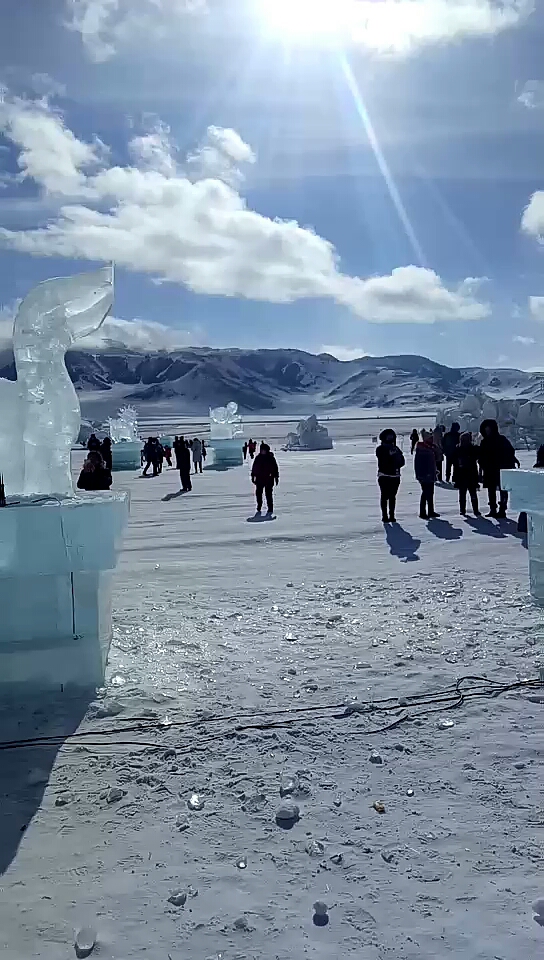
x: 425, y: 469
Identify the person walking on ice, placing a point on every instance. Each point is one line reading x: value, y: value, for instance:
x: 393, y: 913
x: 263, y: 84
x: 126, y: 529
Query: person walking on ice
x: 496, y: 454
x: 425, y: 468
x: 390, y: 463
x: 414, y: 438
x: 264, y: 474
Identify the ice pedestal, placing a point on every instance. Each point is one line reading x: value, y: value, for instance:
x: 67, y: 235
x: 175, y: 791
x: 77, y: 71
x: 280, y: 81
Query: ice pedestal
x: 526, y: 488
x: 126, y: 455
x: 56, y: 563
x: 226, y: 454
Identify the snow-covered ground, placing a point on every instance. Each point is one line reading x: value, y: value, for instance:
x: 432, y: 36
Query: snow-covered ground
x: 249, y: 640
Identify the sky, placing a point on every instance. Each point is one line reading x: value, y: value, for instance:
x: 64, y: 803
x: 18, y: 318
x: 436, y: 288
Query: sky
x: 350, y: 176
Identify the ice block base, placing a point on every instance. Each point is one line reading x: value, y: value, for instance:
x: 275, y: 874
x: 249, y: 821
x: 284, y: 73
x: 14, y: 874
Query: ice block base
x: 526, y: 489
x: 226, y: 454
x: 56, y: 564
x: 126, y: 455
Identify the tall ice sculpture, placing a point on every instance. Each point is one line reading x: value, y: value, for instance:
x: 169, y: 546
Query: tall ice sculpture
x: 57, y: 549
x: 226, y: 437
x: 127, y: 446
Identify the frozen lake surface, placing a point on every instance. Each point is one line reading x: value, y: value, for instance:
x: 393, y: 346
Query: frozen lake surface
x: 238, y: 647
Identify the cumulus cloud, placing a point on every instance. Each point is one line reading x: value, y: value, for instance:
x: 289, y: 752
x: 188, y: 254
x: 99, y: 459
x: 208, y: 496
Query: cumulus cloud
x: 345, y: 353
x: 151, y: 217
x: 536, y: 307
x: 532, y: 94
x: 525, y: 341
x: 220, y: 157
x: 383, y: 26
x: 532, y: 221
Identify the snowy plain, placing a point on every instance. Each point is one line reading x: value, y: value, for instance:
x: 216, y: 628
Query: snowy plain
x: 239, y: 646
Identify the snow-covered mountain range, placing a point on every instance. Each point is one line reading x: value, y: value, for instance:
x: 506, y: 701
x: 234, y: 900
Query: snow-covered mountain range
x: 191, y: 379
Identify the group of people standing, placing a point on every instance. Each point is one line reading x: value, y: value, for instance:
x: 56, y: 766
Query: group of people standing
x: 96, y: 471
x: 467, y: 464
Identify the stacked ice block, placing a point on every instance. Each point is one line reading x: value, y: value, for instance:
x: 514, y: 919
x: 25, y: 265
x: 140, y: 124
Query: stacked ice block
x: 126, y: 455
x: 57, y: 557
x: 526, y: 488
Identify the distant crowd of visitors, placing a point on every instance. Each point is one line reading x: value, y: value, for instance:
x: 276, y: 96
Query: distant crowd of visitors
x: 467, y: 465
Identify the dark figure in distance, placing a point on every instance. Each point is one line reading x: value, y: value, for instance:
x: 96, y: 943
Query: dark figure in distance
x: 153, y: 454
x: 94, y: 474
x: 105, y: 450
x: 264, y: 474
x: 390, y: 463
x: 93, y: 443
x: 183, y: 463
x: 425, y: 469
x: 414, y: 438
x: 450, y: 443
x: 167, y: 453
x: 465, y: 467
x: 539, y: 465
x: 179, y: 444
x: 252, y: 446
x: 496, y: 454
x: 438, y: 434
x: 244, y: 450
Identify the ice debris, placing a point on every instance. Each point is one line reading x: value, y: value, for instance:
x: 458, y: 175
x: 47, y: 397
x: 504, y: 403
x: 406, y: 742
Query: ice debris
x: 85, y: 942
x: 287, y: 814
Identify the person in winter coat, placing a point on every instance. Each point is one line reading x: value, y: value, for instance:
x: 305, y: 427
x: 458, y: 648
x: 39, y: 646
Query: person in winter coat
x: 105, y: 450
x: 390, y: 463
x: 465, y: 465
x: 414, y: 438
x: 496, y: 454
x: 438, y: 435
x: 183, y: 464
x: 179, y: 445
x: 93, y: 443
x: 197, y: 455
x: 167, y: 453
x: 450, y: 443
x: 425, y: 469
x: 94, y: 474
x: 244, y: 450
x: 264, y: 474
x: 252, y: 446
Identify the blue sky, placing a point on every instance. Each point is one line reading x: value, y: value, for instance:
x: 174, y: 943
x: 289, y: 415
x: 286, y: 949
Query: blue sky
x: 357, y: 179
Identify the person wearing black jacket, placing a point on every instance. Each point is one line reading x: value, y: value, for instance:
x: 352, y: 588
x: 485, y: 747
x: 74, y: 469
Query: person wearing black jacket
x: 496, y: 454
x: 264, y: 474
x: 425, y: 470
x: 414, y: 438
x: 465, y: 466
x: 390, y: 463
x: 105, y: 450
x: 183, y: 464
x: 94, y: 475
x: 93, y: 443
x: 450, y: 443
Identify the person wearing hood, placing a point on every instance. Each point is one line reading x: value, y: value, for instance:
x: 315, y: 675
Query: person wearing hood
x: 264, y: 474
x: 390, y: 463
x: 496, y: 454
x: 466, y: 460
x: 425, y: 469
x: 450, y: 443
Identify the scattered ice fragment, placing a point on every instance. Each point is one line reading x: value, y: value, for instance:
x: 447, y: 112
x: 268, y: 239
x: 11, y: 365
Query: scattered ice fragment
x: 108, y: 708
x: 287, y: 814
x: 182, y: 823
x: 117, y: 680
x: 409, y: 792
x: 288, y: 785
x: 420, y: 616
x: 292, y: 672
x: 320, y: 908
x: 519, y: 765
x: 241, y: 923
x: 290, y: 584
x: 337, y: 859
x: 337, y: 802
x: 166, y: 721
x: 241, y: 863
x: 290, y: 637
x: 114, y: 794
x: 445, y: 724
x: 195, y: 802
x: 538, y: 910
x: 178, y: 898
x: 375, y: 757
x: 314, y: 848
x: 85, y: 942
x: 379, y: 807
x: 63, y: 800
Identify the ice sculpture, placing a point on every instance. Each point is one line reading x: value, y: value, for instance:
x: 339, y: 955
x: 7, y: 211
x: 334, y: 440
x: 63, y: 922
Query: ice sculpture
x: 125, y: 427
x: 526, y: 488
x: 310, y: 435
x: 226, y: 433
x: 40, y: 410
x: 518, y: 420
x: 57, y: 550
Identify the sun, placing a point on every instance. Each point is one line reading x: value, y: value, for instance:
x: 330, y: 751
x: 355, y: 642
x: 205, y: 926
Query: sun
x: 309, y: 19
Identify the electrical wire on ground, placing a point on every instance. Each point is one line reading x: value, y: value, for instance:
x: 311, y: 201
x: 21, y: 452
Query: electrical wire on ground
x: 413, y: 707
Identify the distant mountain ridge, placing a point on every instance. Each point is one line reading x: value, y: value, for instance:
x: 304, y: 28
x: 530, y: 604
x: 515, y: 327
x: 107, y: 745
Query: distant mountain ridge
x: 189, y: 380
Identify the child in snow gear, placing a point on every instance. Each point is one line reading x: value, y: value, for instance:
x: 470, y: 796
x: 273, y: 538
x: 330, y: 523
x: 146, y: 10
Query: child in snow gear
x: 264, y: 474
x: 390, y: 463
x: 425, y: 469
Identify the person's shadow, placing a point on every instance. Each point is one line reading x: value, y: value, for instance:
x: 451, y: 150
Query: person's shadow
x: 444, y: 530
x: 401, y: 543
x: 485, y: 527
x: 25, y: 768
x: 174, y: 496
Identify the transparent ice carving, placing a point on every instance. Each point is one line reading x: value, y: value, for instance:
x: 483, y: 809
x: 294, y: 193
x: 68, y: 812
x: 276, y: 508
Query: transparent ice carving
x: 125, y: 427
x: 310, y: 435
x: 225, y: 422
x: 40, y: 414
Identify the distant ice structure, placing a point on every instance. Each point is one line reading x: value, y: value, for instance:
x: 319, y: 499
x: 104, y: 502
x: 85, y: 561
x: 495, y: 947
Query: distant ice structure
x: 526, y: 488
x: 127, y: 446
x: 518, y: 420
x: 310, y: 435
x: 125, y: 427
x: 226, y: 433
x: 40, y: 414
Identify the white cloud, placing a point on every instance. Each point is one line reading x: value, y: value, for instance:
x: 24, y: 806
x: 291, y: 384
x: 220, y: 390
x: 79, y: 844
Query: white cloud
x: 384, y: 26
x: 536, y: 307
x: 532, y: 221
x: 345, y: 353
x: 150, y: 217
x: 532, y: 94
x: 526, y: 341
x: 220, y: 156
x: 47, y: 86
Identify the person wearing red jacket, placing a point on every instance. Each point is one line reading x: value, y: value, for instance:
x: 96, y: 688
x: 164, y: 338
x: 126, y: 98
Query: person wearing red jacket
x: 264, y: 474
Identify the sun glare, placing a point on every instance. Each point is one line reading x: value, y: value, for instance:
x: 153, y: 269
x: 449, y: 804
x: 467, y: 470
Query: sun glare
x: 307, y: 19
